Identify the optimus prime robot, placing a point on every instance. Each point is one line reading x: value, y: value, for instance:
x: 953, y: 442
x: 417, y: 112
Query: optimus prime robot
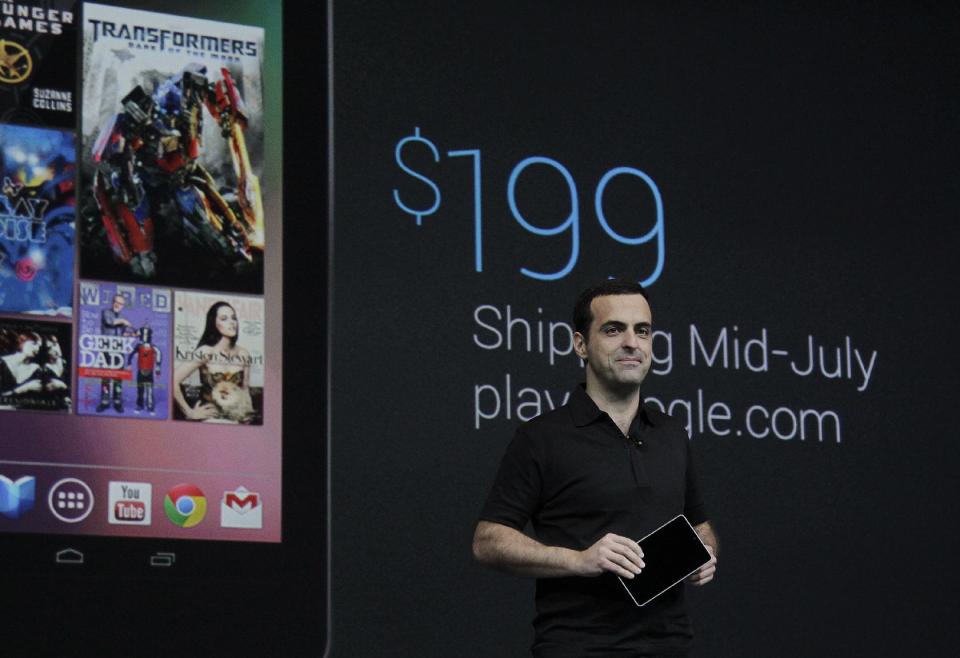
x: 149, y: 178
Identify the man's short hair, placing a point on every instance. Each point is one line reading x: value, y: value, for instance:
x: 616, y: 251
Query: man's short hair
x: 583, y: 316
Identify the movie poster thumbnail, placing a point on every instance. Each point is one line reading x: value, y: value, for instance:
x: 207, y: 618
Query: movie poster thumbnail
x: 34, y: 365
x: 38, y: 77
x: 218, y: 348
x: 172, y: 140
x: 123, y: 350
x: 37, y: 213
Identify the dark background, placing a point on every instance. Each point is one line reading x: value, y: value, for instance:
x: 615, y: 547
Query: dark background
x: 806, y: 155
x: 807, y: 159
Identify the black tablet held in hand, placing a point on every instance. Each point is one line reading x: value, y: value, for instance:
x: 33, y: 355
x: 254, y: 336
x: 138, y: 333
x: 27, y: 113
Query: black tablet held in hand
x: 671, y: 553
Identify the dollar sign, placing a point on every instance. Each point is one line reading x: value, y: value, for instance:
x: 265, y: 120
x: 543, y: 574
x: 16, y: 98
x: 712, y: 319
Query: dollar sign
x: 419, y: 214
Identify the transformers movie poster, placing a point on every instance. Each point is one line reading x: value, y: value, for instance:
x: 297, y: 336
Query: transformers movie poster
x: 123, y: 350
x: 37, y: 227
x: 172, y: 149
x: 34, y: 365
x: 218, y: 352
x: 38, y: 77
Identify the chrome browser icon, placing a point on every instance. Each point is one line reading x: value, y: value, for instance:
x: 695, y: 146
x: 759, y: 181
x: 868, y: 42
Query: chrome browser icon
x: 185, y: 505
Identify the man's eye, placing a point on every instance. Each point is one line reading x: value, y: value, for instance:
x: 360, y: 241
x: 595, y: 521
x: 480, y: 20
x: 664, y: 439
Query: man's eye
x: 644, y: 331
x: 611, y: 331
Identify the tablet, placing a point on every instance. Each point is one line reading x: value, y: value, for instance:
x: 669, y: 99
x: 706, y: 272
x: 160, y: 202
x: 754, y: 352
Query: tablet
x: 671, y: 552
x: 164, y: 349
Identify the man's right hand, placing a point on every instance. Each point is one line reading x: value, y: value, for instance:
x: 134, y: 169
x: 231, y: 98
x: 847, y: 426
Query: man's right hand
x: 506, y: 548
x: 613, y: 553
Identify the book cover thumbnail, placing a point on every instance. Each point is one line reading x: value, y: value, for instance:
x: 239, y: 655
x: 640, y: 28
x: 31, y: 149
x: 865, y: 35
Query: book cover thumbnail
x: 172, y: 143
x: 123, y: 350
x: 38, y: 54
x: 218, y: 348
x: 37, y: 220
x: 34, y: 365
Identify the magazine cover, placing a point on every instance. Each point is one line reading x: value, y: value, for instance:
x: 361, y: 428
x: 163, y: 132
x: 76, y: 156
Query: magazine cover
x: 34, y: 365
x: 218, y: 348
x: 38, y: 77
x: 172, y: 143
x: 37, y: 227
x: 123, y: 350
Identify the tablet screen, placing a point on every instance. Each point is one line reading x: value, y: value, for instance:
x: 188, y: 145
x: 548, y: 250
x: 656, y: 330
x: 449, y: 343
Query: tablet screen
x: 140, y: 284
x: 671, y: 553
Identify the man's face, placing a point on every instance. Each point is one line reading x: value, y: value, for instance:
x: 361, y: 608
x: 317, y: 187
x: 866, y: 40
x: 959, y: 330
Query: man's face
x: 618, y: 347
x: 118, y: 303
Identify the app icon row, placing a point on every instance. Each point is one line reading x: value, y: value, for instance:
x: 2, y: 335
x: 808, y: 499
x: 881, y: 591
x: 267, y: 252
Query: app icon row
x: 71, y: 500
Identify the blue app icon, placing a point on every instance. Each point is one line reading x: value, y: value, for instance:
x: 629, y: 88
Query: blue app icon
x: 17, y: 497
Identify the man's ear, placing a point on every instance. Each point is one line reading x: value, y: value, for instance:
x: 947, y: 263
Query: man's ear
x: 580, y: 345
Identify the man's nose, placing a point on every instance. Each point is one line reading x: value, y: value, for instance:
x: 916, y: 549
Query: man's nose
x: 631, y: 339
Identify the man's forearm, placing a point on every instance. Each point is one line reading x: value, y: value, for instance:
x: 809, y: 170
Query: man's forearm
x: 507, y: 549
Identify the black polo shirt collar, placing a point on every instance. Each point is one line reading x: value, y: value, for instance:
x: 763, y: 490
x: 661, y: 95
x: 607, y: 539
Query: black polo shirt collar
x: 585, y: 411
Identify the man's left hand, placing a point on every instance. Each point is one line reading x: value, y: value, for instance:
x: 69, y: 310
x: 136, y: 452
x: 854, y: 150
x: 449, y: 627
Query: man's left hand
x: 705, y: 574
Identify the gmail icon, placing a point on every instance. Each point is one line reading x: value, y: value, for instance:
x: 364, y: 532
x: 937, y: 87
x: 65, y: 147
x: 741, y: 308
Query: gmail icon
x: 241, y: 509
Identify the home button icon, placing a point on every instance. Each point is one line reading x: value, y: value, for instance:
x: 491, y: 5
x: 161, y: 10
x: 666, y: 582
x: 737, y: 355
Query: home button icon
x: 69, y: 556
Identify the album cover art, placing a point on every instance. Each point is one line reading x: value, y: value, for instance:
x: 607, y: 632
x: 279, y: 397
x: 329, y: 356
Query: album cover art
x: 37, y: 227
x: 34, y: 365
x: 218, y: 351
x: 38, y: 53
x: 123, y: 350
x: 172, y: 149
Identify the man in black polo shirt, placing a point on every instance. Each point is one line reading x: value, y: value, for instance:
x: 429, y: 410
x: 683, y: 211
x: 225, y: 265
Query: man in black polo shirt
x: 591, y: 477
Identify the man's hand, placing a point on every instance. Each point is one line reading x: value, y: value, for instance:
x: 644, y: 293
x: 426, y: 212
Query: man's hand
x: 705, y: 574
x: 613, y: 553
x: 506, y: 548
